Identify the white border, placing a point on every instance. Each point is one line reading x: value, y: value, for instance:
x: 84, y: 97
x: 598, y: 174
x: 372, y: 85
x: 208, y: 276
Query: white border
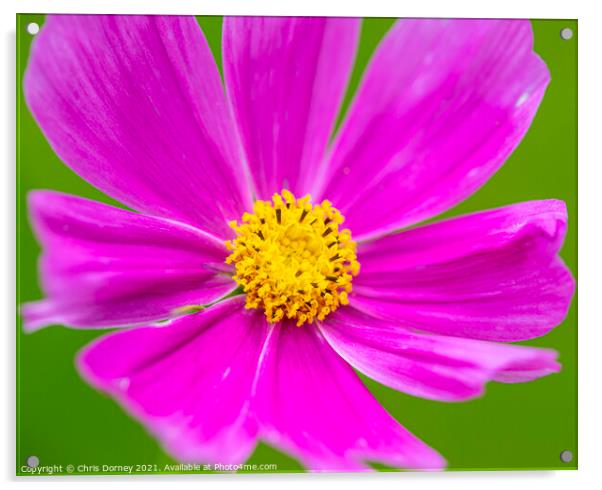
x: 590, y: 246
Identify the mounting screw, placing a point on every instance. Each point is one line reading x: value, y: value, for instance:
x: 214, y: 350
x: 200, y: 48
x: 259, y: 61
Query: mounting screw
x: 566, y: 456
x: 33, y: 461
x: 566, y: 33
x: 33, y: 28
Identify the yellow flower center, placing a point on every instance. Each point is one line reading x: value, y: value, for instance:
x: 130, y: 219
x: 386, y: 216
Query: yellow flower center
x: 292, y: 259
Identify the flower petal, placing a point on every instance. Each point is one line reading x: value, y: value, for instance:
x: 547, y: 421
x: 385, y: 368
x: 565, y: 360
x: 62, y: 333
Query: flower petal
x: 312, y: 405
x: 189, y: 382
x: 442, y: 105
x: 102, y: 266
x: 430, y: 366
x: 286, y: 78
x: 135, y: 106
x: 493, y: 275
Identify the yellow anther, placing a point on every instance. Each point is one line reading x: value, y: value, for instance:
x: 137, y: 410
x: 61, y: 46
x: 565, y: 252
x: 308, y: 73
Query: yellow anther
x: 292, y: 260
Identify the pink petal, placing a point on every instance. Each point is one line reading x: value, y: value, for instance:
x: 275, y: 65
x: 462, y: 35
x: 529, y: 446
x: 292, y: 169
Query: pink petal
x: 430, y: 366
x: 286, y: 78
x: 135, y: 106
x: 312, y: 405
x: 442, y: 105
x: 493, y: 275
x: 207, y: 385
x: 189, y: 382
x: 102, y: 266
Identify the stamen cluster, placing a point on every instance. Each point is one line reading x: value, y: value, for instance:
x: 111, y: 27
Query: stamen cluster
x: 292, y: 259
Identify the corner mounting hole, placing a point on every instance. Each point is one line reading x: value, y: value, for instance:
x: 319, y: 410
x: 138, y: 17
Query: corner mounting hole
x: 566, y: 33
x: 33, y: 28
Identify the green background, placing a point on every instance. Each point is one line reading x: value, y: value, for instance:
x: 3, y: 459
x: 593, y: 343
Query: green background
x: 61, y: 420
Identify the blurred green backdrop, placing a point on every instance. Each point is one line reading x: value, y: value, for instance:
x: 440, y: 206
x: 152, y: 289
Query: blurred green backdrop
x: 61, y: 420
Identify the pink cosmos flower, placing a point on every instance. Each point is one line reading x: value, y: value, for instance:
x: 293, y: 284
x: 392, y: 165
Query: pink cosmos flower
x: 135, y: 105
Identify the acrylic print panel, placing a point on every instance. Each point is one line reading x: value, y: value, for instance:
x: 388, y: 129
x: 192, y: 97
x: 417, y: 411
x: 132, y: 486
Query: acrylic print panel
x: 163, y: 330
